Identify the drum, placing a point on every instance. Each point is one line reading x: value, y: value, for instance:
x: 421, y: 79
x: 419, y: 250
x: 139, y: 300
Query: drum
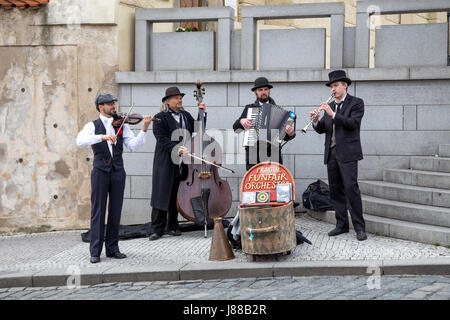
x: 268, y: 230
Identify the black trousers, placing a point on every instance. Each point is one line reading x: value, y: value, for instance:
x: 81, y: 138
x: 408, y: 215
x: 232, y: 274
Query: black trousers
x: 104, y: 184
x: 343, y: 181
x: 166, y: 220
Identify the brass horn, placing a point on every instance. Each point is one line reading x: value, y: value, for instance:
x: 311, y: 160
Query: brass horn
x: 311, y: 121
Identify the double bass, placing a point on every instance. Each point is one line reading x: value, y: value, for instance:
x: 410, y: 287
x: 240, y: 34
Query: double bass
x: 203, y: 195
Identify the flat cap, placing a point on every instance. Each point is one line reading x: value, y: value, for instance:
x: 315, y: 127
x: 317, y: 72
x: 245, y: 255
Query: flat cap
x: 104, y: 98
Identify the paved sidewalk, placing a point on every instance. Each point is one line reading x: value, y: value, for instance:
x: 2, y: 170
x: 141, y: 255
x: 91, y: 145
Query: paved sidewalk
x: 58, y: 253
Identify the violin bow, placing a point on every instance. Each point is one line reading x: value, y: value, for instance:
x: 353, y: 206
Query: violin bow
x: 209, y: 162
x: 124, y: 119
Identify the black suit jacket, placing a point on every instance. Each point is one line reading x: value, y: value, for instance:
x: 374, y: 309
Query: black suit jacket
x: 347, y: 125
x: 164, y: 170
x: 237, y: 127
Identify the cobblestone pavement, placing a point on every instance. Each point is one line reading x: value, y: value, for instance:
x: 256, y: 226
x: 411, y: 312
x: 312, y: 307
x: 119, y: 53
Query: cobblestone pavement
x: 42, y: 251
x: 281, y: 288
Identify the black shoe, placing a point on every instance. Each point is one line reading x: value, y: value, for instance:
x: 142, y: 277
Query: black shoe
x: 337, y: 231
x: 95, y: 259
x: 155, y: 236
x: 116, y: 255
x: 174, y: 232
x: 361, y: 235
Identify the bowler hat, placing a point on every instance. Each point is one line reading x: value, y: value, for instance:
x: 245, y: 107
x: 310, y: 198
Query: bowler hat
x: 261, y: 82
x: 172, y: 91
x: 338, y: 75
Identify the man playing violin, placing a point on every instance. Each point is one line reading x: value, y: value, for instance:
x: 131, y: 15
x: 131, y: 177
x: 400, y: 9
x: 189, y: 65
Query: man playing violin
x: 108, y: 174
x: 167, y: 166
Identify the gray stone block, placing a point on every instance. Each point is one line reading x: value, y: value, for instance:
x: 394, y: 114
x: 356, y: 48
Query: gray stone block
x: 291, y: 49
x: 349, y: 47
x: 125, y: 95
x: 337, y: 22
x: 233, y: 95
x: 310, y: 166
x: 406, y: 193
x: 435, y: 266
x: 383, y: 118
x: 418, y: 178
x: 167, y: 272
x: 303, y: 10
x: 135, y: 211
x: 138, y: 164
x: 404, y: 211
x: 431, y: 164
x: 404, y: 92
x: 225, y: 270
x: 166, y: 53
x: 362, y: 40
x: 328, y: 268
x: 402, y: 6
x: 444, y: 150
x: 184, y: 14
x: 440, y: 122
x: 426, y: 142
x: 410, y: 117
x: 371, y: 167
x: 235, y: 49
x: 127, y: 192
x: 405, y: 45
x: 141, y: 187
x: 151, y: 95
x: 63, y: 277
x: 16, y: 279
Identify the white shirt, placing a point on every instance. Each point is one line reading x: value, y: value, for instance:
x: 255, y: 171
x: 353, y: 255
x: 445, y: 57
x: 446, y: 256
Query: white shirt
x: 87, y: 136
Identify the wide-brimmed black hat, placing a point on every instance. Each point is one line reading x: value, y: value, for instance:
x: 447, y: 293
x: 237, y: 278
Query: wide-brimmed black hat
x: 172, y: 91
x: 261, y: 82
x: 338, y: 75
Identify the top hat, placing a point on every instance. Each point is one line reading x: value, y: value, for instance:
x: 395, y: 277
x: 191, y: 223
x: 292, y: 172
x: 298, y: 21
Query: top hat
x: 338, y: 75
x: 261, y: 82
x: 172, y: 91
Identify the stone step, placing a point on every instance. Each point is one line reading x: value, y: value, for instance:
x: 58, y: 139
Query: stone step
x: 405, y: 211
x: 438, y: 164
x: 395, y: 228
x: 407, y: 193
x: 420, y: 178
x: 444, y: 150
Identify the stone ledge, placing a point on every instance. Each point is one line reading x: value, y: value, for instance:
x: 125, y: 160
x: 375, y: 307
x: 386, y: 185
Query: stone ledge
x: 298, y: 75
x: 226, y: 270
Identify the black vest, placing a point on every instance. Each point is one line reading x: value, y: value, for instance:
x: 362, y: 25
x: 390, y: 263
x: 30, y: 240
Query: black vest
x: 102, y: 156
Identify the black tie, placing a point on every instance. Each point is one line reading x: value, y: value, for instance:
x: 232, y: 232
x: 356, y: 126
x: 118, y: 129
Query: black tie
x: 339, y: 105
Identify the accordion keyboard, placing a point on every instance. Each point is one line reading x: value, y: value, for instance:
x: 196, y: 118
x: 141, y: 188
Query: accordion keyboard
x: 251, y: 135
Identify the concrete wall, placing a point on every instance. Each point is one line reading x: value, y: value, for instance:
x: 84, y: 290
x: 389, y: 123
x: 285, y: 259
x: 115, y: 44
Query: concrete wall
x: 397, y: 124
x: 50, y: 73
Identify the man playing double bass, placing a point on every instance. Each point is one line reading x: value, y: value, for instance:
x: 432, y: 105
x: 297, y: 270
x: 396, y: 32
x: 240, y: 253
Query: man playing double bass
x: 167, y: 166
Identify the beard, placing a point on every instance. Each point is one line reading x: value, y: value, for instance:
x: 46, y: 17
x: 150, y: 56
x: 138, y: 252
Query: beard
x: 263, y: 99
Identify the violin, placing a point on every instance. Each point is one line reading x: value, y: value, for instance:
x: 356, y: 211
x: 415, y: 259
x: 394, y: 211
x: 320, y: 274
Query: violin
x: 203, y: 195
x: 132, y: 119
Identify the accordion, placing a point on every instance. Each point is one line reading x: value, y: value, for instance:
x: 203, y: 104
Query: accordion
x: 269, y: 122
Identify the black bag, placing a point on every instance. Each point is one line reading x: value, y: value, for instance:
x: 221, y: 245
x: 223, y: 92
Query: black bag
x: 317, y: 197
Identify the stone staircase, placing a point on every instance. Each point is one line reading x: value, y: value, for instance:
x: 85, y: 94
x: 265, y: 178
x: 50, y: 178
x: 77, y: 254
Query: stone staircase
x: 411, y: 204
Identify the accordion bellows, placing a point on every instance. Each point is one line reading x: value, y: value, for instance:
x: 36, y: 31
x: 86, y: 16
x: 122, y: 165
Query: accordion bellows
x: 269, y: 122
